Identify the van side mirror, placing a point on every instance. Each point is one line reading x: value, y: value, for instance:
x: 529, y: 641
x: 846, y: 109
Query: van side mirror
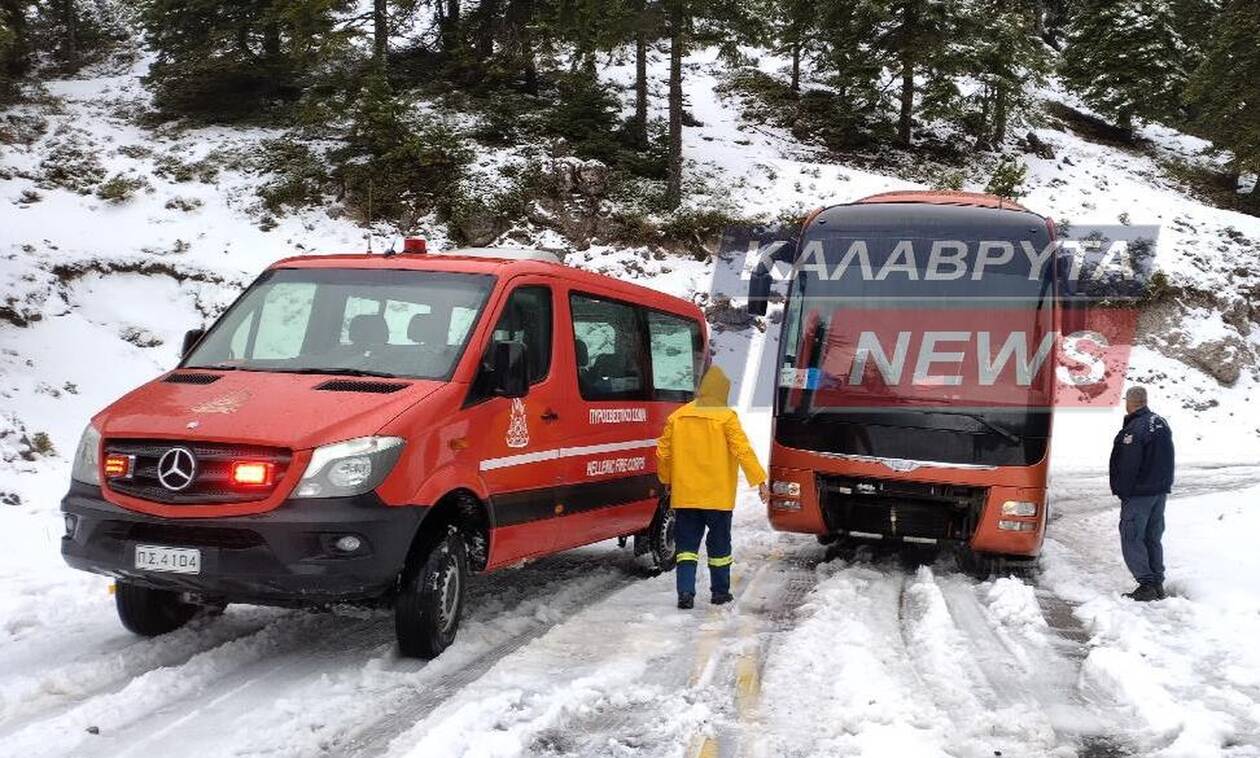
x: 510, y: 377
x: 191, y: 338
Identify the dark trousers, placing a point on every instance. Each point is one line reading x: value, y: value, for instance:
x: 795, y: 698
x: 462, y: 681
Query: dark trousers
x: 1141, y: 531
x: 689, y: 528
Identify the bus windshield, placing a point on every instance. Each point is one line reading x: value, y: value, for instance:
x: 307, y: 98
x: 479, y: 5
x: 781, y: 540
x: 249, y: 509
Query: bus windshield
x: 366, y: 322
x: 926, y: 344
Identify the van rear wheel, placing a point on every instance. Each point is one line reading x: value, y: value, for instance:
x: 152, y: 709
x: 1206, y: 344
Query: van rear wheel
x: 149, y: 612
x: 431, y: 599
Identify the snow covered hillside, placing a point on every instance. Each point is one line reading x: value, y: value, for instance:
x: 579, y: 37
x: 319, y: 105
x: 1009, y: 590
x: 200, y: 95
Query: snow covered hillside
x: 116, y: 238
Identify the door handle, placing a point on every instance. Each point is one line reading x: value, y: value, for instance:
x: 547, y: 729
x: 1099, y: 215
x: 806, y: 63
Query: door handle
x: 550, y: 415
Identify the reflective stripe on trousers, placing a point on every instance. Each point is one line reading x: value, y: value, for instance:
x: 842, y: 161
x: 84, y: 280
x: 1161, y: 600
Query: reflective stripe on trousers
x: 691, y: 525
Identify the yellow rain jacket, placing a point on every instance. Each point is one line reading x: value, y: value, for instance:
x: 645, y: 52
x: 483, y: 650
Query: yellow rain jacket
x: 703, y: 446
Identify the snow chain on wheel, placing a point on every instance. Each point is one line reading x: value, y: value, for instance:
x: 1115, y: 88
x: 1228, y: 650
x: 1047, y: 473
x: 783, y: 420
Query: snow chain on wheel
x: 431, y: 598
x: 149, y: 612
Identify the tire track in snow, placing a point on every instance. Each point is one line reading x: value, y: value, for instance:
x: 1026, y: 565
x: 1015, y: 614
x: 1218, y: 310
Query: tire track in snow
x: 62, y: 688
x: 956, y: 658
x: 419, y: 701
x: 161, y: 687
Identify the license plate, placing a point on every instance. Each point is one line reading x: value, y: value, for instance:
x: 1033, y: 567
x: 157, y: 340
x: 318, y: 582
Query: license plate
x: 176, y: 560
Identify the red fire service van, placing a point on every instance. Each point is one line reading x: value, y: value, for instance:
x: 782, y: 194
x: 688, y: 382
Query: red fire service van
x: 373, y: 428
x: 916, y: 381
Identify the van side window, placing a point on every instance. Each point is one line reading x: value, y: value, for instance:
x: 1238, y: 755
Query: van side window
x: 526, y: 318
x: 608, y: 339
x: 676, y: 358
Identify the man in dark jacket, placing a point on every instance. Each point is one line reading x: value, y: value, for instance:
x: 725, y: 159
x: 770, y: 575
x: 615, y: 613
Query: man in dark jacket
x: 1142, y: 476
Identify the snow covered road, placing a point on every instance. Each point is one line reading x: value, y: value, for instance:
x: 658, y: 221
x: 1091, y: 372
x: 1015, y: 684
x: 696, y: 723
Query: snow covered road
x: 840, y: 651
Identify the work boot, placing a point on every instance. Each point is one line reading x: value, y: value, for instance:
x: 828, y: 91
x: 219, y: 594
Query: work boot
x: 721, y: 598
x: 686, y: 601
x: 1144, y: 593
x: 1159, y: 591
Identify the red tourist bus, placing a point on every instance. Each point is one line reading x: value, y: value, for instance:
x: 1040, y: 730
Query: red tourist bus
x: 916, y: 376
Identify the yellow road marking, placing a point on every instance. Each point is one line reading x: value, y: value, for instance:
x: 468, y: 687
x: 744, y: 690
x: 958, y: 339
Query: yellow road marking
x: 703, y: 747
x: 747, y: 666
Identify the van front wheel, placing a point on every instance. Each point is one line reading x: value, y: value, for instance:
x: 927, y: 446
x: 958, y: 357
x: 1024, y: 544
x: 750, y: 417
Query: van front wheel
x: 149, y: 612
x: 657, y: 541
x: 431, y: 598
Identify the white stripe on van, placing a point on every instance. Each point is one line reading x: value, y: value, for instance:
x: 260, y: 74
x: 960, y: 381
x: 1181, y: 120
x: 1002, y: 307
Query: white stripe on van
x: 521, y: 459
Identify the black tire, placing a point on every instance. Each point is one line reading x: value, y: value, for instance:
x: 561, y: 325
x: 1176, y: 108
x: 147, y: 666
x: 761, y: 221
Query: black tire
x: 431, y: 598
x: 149, y: 612
x: 662, y: 550
x: 985, y: 566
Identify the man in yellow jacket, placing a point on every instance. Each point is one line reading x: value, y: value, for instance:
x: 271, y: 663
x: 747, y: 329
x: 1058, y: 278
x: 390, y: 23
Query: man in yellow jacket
x: 698, y: 455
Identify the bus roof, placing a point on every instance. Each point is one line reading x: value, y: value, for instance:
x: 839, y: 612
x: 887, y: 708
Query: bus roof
x: 944, y: 197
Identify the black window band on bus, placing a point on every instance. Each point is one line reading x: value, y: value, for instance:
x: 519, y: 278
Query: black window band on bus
x: 613, y: 365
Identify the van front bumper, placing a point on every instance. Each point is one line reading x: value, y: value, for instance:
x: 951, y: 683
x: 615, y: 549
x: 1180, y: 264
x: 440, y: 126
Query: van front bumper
x: 283, y: 557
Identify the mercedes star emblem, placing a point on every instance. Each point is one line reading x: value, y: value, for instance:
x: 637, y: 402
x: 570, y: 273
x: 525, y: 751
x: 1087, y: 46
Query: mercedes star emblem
x: 177, y: 468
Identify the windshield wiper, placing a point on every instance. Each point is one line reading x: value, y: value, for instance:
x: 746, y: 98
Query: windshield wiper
x: 337, y: 372
x: 1006, y: 434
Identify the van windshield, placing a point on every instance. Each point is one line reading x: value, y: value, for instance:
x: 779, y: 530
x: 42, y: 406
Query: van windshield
x: 372, y: 322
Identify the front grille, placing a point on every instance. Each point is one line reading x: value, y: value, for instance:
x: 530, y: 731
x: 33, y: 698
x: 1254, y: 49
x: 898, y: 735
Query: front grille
x: 895, y: 508
x: 181, y: 535
x: 350, y: 385
x: 192, y: 378
x: 210, y: 485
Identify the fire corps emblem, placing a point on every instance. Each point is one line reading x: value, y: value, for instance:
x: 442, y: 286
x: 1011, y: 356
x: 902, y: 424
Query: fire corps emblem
x: 518, y: 426
x: 229, y: 403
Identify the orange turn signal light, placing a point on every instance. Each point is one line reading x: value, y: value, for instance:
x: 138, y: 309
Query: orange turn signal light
x: 117, y: 465
x: 252, y: 473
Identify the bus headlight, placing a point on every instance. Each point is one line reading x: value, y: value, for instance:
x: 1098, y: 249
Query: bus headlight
x: 1017, y: 526
x: 349, y: 468
x: 1019, y: 508
x: 787, y: 489
x: 87, y: 463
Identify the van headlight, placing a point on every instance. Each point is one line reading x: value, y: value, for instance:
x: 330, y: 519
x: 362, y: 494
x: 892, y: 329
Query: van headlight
x: 87, y: 463
x: 349, y: 468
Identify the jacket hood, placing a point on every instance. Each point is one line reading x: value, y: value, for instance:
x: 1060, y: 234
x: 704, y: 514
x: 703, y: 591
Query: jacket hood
x: 274, y: 409
x: 715, y: 389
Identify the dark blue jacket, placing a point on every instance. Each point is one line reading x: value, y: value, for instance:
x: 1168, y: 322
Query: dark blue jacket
x: 1142, y: 456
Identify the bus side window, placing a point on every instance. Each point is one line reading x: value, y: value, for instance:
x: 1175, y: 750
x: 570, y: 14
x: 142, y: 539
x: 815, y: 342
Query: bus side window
x: 675, y: 346
x: 610, y: 338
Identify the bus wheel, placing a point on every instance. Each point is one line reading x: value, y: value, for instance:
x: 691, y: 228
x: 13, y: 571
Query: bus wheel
x: 431, y: 598
x: 987, y: 566
x: 149, y: 612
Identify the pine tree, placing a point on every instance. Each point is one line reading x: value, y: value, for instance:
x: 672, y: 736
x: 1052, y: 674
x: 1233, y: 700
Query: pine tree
x: 221, y: 60
x: 14, y: 45
x: 1007, y: 55
x: 918, y: 39
x: 1126, y: 59
x: 1224, y: 91
x: 794, y: 23
x: 849, y: 57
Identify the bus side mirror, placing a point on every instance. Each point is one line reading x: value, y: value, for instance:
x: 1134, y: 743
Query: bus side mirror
x: 758, y: 291
x: 762, y: 277
x: 510, y: 374
x: 191, y: 338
